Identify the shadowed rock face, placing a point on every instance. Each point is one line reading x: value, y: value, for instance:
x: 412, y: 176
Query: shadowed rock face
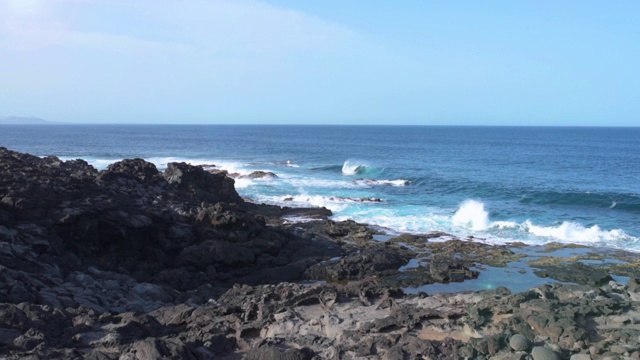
x: 202, y: 184
x: 133, y: 263
x: 183, y: 229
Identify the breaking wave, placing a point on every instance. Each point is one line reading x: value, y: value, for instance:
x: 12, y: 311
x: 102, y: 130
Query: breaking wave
x: 472, y: 215
x: 351, y: 167
x: 161, y: 162
x: 333, y: 203
x: 374, y: 182
x: 569, y: 231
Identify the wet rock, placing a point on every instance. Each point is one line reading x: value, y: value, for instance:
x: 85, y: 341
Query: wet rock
x: 468, y: 253
x: 260, y: 175
x: 575, y: 272
x: 419, y: 240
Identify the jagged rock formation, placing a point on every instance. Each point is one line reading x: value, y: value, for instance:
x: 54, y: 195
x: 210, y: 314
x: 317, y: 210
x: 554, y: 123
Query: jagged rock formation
x: 133, y: 263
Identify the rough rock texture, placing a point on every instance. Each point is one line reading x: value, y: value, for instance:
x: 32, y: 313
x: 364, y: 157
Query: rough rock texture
x: 260, y: 175
x: 133, y: 263
x: 379, y: 259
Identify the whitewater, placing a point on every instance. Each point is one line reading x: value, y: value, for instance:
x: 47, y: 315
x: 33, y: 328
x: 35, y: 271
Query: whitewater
x: 491, y: 184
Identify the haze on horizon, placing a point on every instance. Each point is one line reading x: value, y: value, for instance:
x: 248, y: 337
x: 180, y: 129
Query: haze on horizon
x: 329, y: 62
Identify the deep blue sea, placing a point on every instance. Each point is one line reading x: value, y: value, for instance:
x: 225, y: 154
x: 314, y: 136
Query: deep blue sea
x: 498, y: 184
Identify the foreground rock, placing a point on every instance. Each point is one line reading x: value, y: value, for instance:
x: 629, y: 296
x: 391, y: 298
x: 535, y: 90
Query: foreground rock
x: 364, y: 319
x: 133, y: 263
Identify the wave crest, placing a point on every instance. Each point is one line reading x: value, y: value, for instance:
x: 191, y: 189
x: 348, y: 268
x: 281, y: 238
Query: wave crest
x: 351, y: 167
x: 471, y: 214
x: 574, y: 232
x: 374, y: 182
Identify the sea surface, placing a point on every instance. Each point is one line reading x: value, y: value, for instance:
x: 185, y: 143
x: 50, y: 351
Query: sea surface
x: 497, y: 184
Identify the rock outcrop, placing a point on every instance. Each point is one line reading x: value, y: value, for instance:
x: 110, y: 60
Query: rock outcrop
x: 134, y: 263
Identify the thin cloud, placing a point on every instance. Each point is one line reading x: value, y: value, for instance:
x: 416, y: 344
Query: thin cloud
x: 228, y: 27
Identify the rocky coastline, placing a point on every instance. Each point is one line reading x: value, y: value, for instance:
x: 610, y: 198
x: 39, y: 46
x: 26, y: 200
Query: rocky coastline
x: 134, y: 263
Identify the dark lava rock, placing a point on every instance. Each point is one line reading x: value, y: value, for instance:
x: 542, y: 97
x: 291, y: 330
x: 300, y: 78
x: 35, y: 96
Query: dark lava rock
x: 575, y: 272
x: 130, y: 263
x: 470, y: 252
x: 341, y: 231
x: 378, y: 259
x: 260, y: 175
x: 207, y: 186
x: 138, y: 168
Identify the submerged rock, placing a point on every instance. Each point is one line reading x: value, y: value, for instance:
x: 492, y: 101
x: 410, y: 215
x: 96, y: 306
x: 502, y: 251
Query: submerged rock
x: 260, y: 175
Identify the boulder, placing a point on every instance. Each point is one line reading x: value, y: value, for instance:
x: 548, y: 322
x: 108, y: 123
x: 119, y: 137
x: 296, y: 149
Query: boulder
x: 140, y: 169
x: 260, y: 175
x: 519, y: 343
x: 210, y: 187
x: 543, y: 353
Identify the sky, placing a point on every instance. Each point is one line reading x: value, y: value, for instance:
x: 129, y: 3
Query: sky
x: 411, y: 62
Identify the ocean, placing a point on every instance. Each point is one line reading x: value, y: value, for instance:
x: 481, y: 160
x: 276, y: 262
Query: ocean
x: 498, y: 184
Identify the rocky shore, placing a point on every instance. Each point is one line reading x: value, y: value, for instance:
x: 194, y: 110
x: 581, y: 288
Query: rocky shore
x: 133, y: 263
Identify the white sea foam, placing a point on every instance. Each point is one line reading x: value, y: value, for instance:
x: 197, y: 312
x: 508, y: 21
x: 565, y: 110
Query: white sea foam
x: 297, y: 219
x: 504, y: 225
x: 331, y: 203
x: 412, y: 219
x: 320, y: 183
x: 102, y: 164
x: 161, y: 162
x: 334, y: 203
x: 471, y: 214
x: 399, y: 182
x: 99, y: 164
x: 374, y: 182
x: 573, y: 232
x: 243, y: 183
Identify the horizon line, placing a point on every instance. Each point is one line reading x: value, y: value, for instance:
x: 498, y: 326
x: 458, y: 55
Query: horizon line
x: 56, y: 123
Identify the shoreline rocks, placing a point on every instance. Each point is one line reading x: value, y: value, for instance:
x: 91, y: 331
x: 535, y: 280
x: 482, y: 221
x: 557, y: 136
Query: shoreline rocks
x: 133, y: 263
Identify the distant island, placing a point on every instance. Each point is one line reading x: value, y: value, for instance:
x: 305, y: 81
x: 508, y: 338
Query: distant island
x: 19, y: 120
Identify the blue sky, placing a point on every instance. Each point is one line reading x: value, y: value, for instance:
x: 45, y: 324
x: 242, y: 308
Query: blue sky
x: 322, y: 62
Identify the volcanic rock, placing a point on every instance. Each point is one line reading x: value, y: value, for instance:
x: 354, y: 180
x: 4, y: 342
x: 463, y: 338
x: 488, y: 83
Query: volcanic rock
x: 260, y: 175
x: 132, y: 263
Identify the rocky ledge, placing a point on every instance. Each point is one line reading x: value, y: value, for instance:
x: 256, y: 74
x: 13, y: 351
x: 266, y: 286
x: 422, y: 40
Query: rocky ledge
x: 133, y: 263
